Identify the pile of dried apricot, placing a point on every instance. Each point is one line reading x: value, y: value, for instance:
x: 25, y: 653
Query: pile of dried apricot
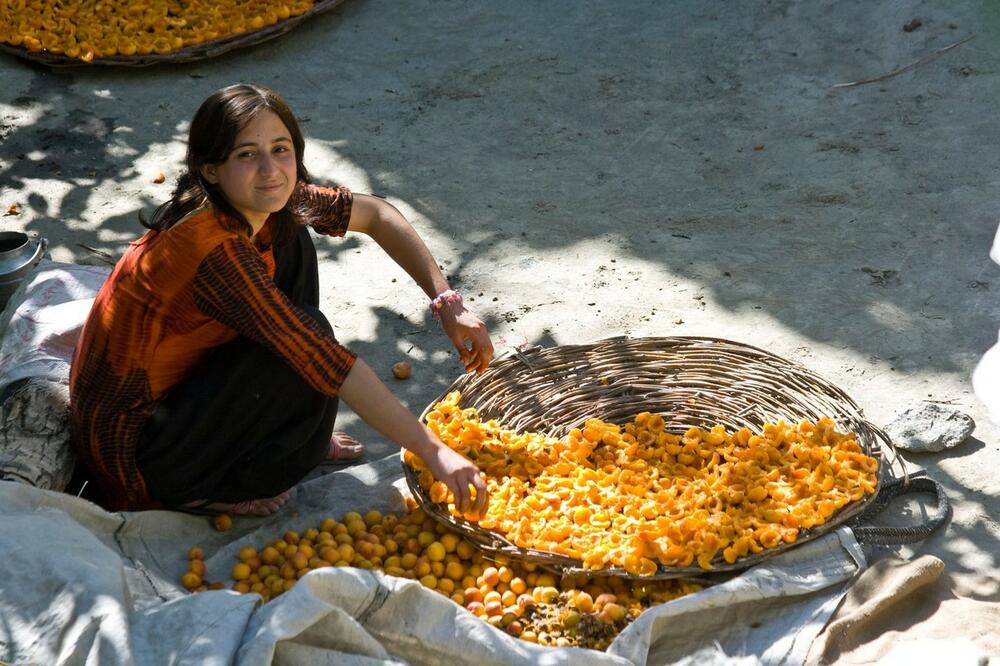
x: 88, y: 29
x: 521, y: 599
x: 639, y: 496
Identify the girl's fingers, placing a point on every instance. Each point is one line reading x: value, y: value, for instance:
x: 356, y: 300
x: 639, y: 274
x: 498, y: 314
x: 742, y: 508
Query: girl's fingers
x: 484, y: 349
x: 479, y: 356
x: 461, y: 495
x: 475, y: 349
x: 479, y: 508
x: 465, y: 355
x: 472, y: 360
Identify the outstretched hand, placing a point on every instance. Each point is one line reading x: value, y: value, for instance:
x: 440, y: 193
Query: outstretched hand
x: 469, y: 335
x: 458, y: 472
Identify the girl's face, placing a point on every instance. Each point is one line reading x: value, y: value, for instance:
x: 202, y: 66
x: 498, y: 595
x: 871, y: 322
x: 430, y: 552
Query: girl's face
x: 259, y: 175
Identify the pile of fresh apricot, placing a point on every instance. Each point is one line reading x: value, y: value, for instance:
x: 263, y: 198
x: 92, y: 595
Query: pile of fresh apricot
x: 519, y: 598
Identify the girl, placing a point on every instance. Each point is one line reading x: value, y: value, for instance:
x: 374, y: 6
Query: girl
x: 206, y: 378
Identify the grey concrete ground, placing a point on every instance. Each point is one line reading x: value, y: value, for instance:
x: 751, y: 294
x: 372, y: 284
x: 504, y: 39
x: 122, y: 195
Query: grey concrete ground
x: 591, y: 169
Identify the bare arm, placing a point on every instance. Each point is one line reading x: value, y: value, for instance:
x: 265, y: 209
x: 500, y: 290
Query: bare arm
x: 386, y: 226
x: 379, y: 408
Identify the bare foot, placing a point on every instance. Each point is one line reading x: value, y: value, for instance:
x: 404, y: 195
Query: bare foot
x: 344, y: 448
x: 257, y: 507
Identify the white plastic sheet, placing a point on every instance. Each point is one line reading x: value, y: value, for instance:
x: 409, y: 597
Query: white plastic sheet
x: 41, y: 322
x: 80, y: 585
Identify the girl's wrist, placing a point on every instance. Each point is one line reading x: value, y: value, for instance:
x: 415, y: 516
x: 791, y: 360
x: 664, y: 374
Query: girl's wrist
x: 446, y: 297
x: 423, y: 443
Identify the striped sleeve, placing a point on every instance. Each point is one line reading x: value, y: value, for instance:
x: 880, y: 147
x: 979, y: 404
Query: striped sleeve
x: 232, y: 286
x: 328, y: 209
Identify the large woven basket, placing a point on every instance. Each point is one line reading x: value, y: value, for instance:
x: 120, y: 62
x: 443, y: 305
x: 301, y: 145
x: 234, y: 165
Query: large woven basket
x: 191, y: 53
x: 690, y: 381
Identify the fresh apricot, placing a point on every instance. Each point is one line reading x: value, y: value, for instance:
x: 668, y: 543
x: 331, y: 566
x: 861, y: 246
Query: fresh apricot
x: 435, y: 551
x: 240, y: 571
x: 191, y: 580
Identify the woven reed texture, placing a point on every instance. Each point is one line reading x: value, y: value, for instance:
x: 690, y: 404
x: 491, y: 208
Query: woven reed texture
x: 690, y: 381
x: 191, y: 53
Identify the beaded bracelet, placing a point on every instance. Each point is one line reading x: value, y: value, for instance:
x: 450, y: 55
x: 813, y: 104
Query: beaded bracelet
x: 446, y: 296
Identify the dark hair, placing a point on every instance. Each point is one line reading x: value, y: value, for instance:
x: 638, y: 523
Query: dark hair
x: 210, y: 140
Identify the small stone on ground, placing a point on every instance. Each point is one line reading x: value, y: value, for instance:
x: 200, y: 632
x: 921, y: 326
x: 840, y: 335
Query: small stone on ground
x: 930, y: 428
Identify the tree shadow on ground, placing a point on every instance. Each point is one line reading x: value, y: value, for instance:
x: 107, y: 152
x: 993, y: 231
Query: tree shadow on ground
x: 737, y: 169
x: 90, y: 156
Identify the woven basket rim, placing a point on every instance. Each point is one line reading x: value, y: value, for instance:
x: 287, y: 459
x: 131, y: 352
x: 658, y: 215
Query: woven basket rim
x: 193, y: 53
x: 873, y: 441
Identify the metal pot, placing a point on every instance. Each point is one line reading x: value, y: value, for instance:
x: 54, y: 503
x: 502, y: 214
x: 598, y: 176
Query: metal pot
x: 18, y: 255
